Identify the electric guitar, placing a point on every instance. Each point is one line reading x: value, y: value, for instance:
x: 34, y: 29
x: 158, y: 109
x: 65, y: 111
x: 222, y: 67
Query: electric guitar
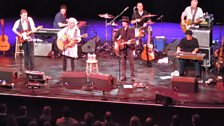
x: 4, y: 44
x: 188, y: 24
x: 64, y: 42
x: 26, y: 34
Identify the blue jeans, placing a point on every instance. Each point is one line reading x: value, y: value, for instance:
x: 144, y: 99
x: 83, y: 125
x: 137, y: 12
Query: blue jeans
x: 182, y: 66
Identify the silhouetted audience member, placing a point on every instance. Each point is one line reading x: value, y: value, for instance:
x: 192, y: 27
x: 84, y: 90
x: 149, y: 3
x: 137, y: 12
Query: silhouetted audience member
x: 149, y: 121
x: 45, y: 116
x: 5, y: 119
x: 88, y: 119
x: 32, y: 123
x: 98, y: 123
x: 22, y: 118
x: 108, y: 120
x: 66, y: 119
x: 196, y: 120
x: 175, y: 121
x: 134, y: 121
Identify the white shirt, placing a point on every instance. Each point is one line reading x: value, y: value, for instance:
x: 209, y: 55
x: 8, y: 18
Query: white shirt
x: 73, y: 33
x: 188, y: 12
x: 24, y: 26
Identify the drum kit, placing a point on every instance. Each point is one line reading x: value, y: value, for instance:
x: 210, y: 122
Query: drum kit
x: 139, y: 33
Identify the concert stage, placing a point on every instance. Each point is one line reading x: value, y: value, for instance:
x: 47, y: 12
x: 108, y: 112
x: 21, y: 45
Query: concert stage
x: 157, y: 81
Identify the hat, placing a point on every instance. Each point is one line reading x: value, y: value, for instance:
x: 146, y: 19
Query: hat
x: 188, y: 32
x: 73, y: 20
x: 125, y: 19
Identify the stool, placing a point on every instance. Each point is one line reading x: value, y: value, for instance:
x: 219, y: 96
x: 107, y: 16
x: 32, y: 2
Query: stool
x: 91, y: 66
x: 18, y: 48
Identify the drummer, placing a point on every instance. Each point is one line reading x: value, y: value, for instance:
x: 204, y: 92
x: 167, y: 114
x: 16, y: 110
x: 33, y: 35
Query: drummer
x: 141, y: 19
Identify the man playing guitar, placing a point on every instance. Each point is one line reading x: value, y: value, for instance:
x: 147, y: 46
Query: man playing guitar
x: 21, y: 27
x: 193, y: 15
x: 126, y: 34
x: 70, y: 36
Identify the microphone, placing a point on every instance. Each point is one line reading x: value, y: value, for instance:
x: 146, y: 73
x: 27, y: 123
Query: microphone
x: 134, y: 8
x: 160, y: 17
x: 126, y: 8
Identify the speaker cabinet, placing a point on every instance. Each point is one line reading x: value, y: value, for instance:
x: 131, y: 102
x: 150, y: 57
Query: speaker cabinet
x: 184, y: 84
x: 159, y: 43
x: 102, y: 81
x: 8, y: 74
x: 42, y: 49
x: 164, y: 100
x: 76, y: 79
x: 204, y: 36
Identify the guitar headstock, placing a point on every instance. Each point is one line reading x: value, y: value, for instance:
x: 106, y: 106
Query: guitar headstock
x: 2, y: 22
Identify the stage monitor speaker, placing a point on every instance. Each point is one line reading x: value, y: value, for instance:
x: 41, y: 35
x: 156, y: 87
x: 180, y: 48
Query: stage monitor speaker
x: 8, y: 74
x: 89, y: 47
x: 204, y: 36
x: 184, y: 84
x: 164, y: 100
x: 74, y: 79
x: 103, y: 82
x: 42, y: 49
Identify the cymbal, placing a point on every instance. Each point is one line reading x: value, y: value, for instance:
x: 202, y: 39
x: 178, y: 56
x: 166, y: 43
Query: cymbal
x: 150, y: 15
x: 112, y: 24
x: 106, y: 15
x: 150, y: 22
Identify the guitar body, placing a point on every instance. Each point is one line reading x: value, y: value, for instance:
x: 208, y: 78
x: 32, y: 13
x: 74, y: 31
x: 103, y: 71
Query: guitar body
x: 26, y: 34
x: 185, y: 26
x: 4, y: 44
x: 148, y: 54
x: 120, y: 44
x: 67, y: 43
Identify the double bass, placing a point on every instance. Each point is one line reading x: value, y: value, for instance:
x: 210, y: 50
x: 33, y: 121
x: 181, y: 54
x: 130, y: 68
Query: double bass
x: 220, y: 62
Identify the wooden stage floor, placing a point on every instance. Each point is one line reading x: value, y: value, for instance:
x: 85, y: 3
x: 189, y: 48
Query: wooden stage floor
x: 208, y: 96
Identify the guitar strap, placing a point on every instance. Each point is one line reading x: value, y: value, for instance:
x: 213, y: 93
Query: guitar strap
x: 193, y: 16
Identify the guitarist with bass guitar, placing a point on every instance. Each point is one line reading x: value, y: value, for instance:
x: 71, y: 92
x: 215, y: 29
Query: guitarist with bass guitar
x: 125, y: 37
x: 23, y: 28
x: 70, y: 36
x: 193, y: 15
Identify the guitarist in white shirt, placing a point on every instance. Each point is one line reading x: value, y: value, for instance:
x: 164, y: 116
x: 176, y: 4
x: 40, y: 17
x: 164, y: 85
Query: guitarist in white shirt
x: 70, y: 35
x: 21, y: 27
x: 193, y: 15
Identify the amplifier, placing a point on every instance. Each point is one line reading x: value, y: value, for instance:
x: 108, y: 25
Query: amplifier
x: 204, y: 36
x: 42, y: 49
x: 159, y: 43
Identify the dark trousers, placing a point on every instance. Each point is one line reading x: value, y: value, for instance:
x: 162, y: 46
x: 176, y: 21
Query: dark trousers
x: 28, y: 48
x: 127, y: 55
x: 182, y: 66
x: 65, y: 63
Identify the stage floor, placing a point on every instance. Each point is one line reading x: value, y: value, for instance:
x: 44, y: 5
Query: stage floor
x: 156, y: 79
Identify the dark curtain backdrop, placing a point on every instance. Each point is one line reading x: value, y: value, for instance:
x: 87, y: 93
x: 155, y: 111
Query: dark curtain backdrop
x: 89, y: 9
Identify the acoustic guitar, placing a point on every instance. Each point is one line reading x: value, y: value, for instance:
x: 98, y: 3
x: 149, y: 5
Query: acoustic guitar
x: 4, y: 44
x: 26, y: 34
x: 121, y: 44
x: 148, y: 54
x: 65, y: 42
